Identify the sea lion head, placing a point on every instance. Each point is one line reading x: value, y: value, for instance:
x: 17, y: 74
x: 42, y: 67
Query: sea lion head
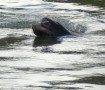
x: 48, y: 27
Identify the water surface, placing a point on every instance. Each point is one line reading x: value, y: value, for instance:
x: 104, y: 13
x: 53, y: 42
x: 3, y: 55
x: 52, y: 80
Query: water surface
x: 28, y: 62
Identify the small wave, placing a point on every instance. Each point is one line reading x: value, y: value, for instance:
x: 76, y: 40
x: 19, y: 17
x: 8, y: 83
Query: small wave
x: 99, y: 32
x: 16, y: 25
x: 77, y: 28
x: 40, y: 5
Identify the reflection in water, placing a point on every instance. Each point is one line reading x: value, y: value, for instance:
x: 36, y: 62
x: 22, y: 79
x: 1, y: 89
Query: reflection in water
x: 99, y: 80
x: 45, y: 41
x: 100, y: 3
x: 7, y: 41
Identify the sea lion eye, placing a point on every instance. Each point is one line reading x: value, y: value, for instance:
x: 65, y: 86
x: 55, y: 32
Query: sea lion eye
x: 47, y: 23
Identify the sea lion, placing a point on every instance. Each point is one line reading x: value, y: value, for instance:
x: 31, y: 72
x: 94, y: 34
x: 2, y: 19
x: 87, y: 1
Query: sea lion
x: 48, y: 27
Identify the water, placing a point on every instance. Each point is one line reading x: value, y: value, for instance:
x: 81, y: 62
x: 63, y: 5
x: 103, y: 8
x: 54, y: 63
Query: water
x: 66, y: 63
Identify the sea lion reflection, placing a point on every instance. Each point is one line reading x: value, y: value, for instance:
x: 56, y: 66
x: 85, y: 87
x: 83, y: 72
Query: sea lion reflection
x: 45, y: 41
